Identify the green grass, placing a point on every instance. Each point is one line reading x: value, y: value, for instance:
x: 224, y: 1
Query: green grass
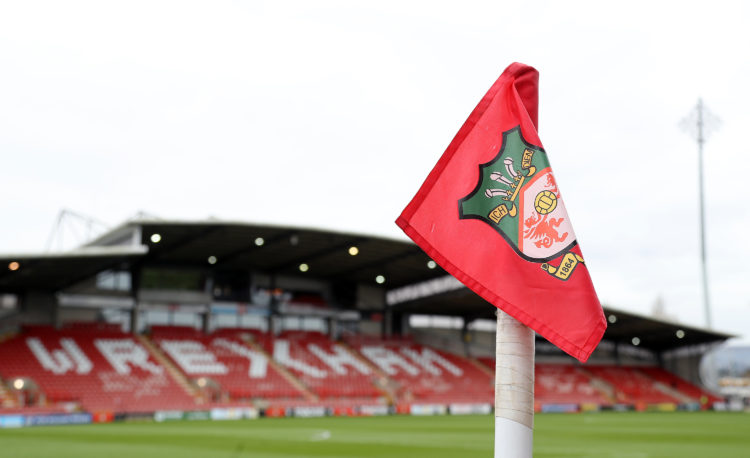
x: 626, y: 435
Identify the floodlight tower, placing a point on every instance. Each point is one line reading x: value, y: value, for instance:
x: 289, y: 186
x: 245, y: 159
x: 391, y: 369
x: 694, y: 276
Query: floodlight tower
x: 699, y: 123
x: 91, y: 226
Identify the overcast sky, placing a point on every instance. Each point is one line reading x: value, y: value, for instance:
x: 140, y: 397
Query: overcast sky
x: 331, y: 114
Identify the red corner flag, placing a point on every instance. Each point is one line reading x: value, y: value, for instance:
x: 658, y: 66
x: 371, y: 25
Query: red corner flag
x: 490, y: 213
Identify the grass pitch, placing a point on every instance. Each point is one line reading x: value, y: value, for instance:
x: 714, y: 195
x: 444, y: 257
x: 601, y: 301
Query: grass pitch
x: 625, y: 435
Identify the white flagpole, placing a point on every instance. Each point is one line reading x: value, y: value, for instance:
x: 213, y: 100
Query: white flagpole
x: 514, y: 388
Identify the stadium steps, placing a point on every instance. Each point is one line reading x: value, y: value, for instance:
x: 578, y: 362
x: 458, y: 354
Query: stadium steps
x: 604, y: 387
x: 176, y: 374
x: 385, y: 385
x: 7, y: 336
x: 6, y: 399
x: 297, y: 383
x: 677, y: 394
x: 673, y: 381
x: 482, y: 367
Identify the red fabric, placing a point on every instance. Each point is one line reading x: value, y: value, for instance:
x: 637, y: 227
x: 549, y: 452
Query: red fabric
x: 567, y: 313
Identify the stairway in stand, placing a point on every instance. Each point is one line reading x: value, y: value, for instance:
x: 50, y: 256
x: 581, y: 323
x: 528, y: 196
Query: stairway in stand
x: 6, y: 399
x: 297, y: 383
x: 177, y: 375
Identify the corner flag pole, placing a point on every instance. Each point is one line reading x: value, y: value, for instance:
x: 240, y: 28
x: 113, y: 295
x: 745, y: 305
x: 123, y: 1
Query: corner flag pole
x: 466, y: 234
x: 514, y: 388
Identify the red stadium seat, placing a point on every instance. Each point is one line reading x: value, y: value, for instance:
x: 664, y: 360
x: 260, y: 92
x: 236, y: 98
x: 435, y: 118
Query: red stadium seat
x: 100, y: 368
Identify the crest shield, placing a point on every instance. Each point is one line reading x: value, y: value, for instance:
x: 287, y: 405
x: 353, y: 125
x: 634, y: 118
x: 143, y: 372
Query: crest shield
x: 517, y: 195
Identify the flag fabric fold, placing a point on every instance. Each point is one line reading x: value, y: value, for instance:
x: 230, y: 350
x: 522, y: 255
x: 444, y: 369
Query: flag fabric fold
x: 491, y: 214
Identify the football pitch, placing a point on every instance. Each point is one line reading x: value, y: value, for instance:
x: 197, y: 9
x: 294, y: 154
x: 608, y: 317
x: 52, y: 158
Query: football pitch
x: 626, y: 435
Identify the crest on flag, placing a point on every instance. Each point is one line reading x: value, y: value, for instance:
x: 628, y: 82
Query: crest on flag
x: 512, y: 241
x: 516, y: 194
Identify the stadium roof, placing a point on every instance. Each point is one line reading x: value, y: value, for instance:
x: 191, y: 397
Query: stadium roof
x: 652, y: 333
x: 56, y: 271
x: 281, y: 250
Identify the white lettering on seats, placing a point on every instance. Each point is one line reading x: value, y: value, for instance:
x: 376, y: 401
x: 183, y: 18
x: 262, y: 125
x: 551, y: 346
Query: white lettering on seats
x: 258, y: 361
x: 193, y: 357
x: 120, y: 352
x: 282, y: 356
x: 428, y: 358
x: 338, y: 359
x: 386, y: 360
x: 60, y: 361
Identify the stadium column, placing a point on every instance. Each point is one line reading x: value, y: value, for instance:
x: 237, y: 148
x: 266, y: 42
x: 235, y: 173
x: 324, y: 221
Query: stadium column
x: 40, y: 307
x: 466, y: 336
x: 135, y: 285
x: 55, y: 314
x: 333, y: 328
x: 386, y: 322
x: 208, y: 288
x: 273, y: 306
x: 206, y: 319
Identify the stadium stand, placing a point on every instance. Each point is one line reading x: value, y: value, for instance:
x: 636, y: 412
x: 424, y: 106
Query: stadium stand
x: 631, y: 385
x: 424, y: 374
x: 328, y: 369
x: 240, y: 371
x: 6, y: 400
x: 607, y: 385
x: 685, y: 388
x: 96, y: 368
x: 146, y: 273
x: 559, y: 383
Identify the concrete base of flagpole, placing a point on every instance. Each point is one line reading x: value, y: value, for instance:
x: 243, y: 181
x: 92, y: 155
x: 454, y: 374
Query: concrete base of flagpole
x: 514, y: 388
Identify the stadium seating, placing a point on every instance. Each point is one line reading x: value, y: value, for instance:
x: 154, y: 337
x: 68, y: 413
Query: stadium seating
x: 423, y: 374
x: 488, y: 362
x: 226, y: 359
x: 561, y: 384
x: 695, y: 393
x: 631, y: 386
x: 96, y: 368
x: 328, y: 369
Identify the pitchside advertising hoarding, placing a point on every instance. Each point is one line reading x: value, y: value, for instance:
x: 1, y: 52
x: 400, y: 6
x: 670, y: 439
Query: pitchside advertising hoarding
x: 18, y: 421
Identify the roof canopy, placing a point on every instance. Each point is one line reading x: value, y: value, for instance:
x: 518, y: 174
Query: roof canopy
x: 327, y: 255
x: 652, y: 333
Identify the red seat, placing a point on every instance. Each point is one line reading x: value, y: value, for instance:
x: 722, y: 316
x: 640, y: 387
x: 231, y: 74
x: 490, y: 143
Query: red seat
x: 79, y: 372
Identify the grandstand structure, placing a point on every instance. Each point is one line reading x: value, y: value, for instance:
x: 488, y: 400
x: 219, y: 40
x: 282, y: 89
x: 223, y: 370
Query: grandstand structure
x: 172, y: 315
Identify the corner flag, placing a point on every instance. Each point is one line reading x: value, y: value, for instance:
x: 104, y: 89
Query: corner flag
x: 491, y: 214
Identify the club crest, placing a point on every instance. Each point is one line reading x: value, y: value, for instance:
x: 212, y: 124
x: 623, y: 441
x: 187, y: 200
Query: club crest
x: 518, y: 197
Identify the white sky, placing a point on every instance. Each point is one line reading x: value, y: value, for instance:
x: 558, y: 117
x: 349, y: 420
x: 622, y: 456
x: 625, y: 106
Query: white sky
x: 331, y: 114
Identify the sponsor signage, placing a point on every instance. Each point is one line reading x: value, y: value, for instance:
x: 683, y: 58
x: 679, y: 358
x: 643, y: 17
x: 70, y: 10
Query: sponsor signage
x: 559, y: 408
x: 197, y: 415
x: 469, y: 409
x: 164, y: 415
x: 233, y: 413
x: 428, y: 409
x: 374, y: 410
x: 12, y: 421
x: 310, y: 411
x: 59, y: 419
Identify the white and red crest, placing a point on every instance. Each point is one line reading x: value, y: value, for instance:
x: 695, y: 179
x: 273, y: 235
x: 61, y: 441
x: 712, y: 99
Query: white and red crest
x: 544, y: 227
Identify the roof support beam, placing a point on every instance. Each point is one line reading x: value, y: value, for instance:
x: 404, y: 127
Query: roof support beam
x: 316, y: 254
x: 228, y: 256
x: 381, y: 262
